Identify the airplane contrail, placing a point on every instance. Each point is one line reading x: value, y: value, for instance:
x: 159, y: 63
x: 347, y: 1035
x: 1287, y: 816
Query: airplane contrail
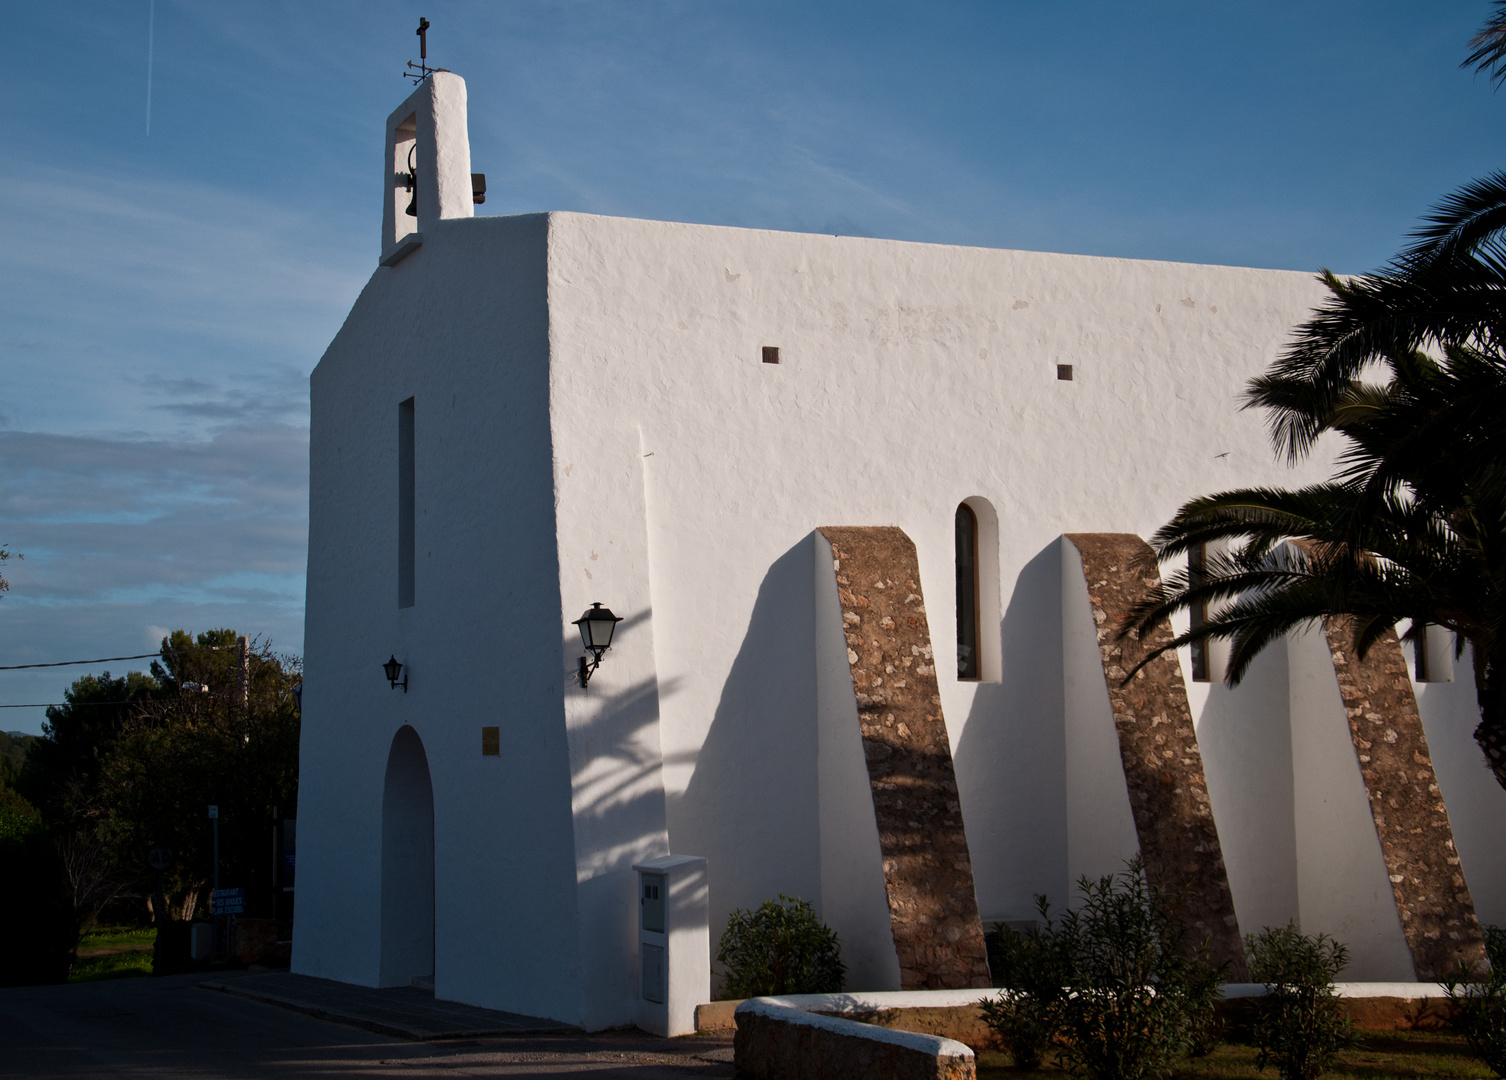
x: 151, y: 18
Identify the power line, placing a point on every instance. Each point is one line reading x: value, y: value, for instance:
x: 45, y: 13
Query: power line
x: 104, y: 660
x: 66, y: 663
x: 110, y: 659
x: 74, y: 704
x: 60, y: 704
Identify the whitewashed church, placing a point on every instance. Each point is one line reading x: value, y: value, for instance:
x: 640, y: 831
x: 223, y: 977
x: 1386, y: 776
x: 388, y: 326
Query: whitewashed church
x: 867, y: 512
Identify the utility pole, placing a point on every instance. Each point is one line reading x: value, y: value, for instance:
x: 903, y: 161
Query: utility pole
x: 274, y: 863
x: 160, y: 858
x: 214, y: 816
x: 245, y: 675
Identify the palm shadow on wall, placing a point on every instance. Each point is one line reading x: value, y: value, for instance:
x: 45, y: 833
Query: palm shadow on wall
x: 617, y: 795
x: 615, y: 770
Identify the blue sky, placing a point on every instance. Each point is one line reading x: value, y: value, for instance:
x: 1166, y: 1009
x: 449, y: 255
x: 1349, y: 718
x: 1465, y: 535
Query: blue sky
x: 164, y: 296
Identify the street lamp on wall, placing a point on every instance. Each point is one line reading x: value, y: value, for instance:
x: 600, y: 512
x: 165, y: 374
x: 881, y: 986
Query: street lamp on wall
x: 596, y: 628
x: 392, y: 669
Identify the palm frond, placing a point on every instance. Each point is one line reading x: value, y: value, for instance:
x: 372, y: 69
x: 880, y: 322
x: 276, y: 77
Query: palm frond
x: 1490, y: 46
x: 1464, y: 223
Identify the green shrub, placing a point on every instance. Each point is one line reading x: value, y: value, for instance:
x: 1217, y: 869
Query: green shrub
x: 1033, y: 971
x: 36, y: 907
x: 1203, y: 992
x: 1480, y: 1004
x: 780, y: 948
x: 1115, y: 986
x: 1495, y: 945
x: 1300, y: 1025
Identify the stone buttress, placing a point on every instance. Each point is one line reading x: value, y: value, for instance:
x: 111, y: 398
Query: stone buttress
x: 1163, y: 768
x: 1427, y: 880
x: 928, y: 875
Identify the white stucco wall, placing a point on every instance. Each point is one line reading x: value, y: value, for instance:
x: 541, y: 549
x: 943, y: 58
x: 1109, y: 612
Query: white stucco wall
x: 593, y: 423
x: 1101, y: 834
x: 912, y: 377
x: 1245, y: 736
x: 686, y: 480
x: 481, y: 643
x: 1342, y: 885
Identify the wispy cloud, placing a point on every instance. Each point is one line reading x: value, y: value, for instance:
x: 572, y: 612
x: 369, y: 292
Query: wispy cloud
x: 125, y: 535
x: 163, y: 305
x: 102, y: 519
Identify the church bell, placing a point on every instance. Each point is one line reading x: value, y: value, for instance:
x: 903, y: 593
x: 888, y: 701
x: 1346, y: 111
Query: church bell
x: 410, y: 180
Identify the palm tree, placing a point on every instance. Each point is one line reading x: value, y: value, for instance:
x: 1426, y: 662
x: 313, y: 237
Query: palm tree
x: 1490, y: 46
x: 1407, y: 366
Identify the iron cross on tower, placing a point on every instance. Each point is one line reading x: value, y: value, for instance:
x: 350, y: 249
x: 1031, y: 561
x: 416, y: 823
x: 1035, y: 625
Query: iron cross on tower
x: 420, y: 71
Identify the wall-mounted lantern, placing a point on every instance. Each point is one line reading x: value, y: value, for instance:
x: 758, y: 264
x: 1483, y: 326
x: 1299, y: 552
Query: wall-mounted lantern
x: 392, y: 669
x: 596, y: 627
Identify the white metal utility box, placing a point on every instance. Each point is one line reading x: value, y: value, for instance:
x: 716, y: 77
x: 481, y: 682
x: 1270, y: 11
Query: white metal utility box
x: 674, y: 943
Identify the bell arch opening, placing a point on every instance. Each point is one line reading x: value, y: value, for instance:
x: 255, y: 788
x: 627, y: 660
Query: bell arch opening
x: 407, y: 863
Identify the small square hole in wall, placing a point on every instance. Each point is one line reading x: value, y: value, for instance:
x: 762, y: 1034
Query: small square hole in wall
x: 1064, y: 372
x: 491, y: 742
x: 770, y: 354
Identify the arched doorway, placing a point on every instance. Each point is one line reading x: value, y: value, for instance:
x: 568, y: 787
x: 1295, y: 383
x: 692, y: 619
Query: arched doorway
x: 407, y: 863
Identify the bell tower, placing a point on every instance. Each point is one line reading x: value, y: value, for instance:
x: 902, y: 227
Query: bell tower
x: 426, y: 174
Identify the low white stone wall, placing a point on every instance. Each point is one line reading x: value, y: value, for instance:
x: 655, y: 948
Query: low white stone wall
x: 779, y: 1040
x: 1407, y: 991
x: 952, y: 1017
x: 879, y: 1001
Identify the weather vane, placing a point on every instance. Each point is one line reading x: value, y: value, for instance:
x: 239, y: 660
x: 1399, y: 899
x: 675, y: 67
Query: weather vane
x: 420, y: 71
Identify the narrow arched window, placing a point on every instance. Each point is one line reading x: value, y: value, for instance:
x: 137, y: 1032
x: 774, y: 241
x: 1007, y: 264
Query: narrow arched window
x: 967, y: 593
x: 1197, y: 574
x: 1433, y: 653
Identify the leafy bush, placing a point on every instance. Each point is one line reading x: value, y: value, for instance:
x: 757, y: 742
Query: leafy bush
x: 1300, y: 1025
x: 35, y: 907
x: 1034, y: 971
x: 1115, y: 985
x: 1203, y: 991
x: 1480, y: 1004
x: 780, y: 948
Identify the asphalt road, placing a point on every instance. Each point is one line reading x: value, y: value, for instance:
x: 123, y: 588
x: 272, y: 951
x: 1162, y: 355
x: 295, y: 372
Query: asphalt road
x: 169, y: 1028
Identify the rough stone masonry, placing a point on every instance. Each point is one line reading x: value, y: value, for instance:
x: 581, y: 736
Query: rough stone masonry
x: 1427, y: 881
x: 1163, y: 768
x: 928, y: 872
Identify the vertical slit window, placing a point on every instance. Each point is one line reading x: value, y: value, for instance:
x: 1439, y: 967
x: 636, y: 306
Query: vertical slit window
x: 1197, y: 573
x: 405, y: 493
x: 967, y: 593
x: 1433, y: 653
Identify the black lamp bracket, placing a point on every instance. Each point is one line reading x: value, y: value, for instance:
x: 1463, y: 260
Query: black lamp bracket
x: 392, y: 669
x: 596, y: 627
